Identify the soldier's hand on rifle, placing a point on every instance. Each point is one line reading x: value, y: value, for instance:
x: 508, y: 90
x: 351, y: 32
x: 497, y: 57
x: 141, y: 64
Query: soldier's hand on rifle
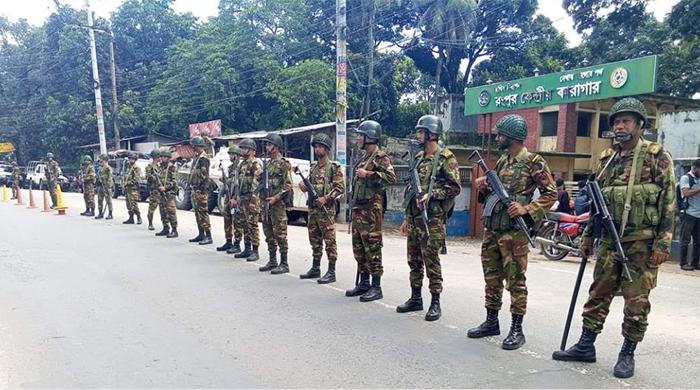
x: 404, y: 228
x: 516, y: 210
x: 363, y: 173
x: 161, y: 189
x: 586, y: 250
x: 480, y: 183
x: 321, y: 201
x: 421, y: 201
x: 302, y: 187
x: 233, y: 203
x: 272, y: 200
x: 658, y: 257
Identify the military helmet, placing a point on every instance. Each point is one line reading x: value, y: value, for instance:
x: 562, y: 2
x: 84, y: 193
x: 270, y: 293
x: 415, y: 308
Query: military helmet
x: 234, y: 149
x: 133, y: 156
x: 628, y: 105
x: 371, y: 130
x: 166, y: 153
x: 87, y: 158
x: 104, y: 157
x: 431, y: 123
x: 512, y: 126
x: 274, y: 139
x: 49, y: 155
x: 322, y: 139
x: 247, y: 144
x: 155, y: 153
x: 198, y: 141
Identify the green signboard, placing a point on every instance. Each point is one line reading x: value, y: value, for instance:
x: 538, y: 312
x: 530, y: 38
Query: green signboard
x: 624, y: 78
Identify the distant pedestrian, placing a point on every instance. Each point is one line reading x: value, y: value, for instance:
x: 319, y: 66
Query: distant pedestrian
x: 582, y: 202
x: 690, y: 216
x: 563, y: 198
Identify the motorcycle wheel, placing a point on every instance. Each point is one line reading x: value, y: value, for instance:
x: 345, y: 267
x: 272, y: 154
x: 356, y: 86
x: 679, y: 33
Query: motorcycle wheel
x: 550, y: 252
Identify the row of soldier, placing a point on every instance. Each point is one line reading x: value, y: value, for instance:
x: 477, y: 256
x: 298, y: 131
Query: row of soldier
x: 635, y: 166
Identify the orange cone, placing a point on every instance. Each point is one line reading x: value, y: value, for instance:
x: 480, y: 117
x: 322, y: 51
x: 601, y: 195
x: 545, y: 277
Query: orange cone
x: 46, y: 202
x: 20, y: 202
x: 32, y: 205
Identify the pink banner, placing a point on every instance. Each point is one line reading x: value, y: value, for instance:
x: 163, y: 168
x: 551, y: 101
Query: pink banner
x: 211, y: 128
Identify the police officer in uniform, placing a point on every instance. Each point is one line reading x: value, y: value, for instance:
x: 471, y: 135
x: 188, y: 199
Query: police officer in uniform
x: 249, y: 202
x: 439, y: 180
x: 199, y: 183
x: 505, y: 248
x: 373, y: 174
x: 638, y: 185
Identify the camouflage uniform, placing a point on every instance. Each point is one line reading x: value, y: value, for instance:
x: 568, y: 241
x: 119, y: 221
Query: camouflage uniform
x: 16, y: 177
x: 168, y: 208
x: 368, y: 211
x: 52, y: 172
x: 199, y: 182
x: 152, y: 177
x: 445, y: 189
x: 233, y: 224
x: 504, y: 249
x: 131, y: 187
x: 89, y: 179
x: 275, y: 224
x: 249, y: 172
x: 104, y: 189
x: 649, y: 228
x: 328, y: 182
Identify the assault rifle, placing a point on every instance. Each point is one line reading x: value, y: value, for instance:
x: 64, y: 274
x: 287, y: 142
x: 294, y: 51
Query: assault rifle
x: 311, y: 191
x: 263, y: 189
x: 415, y: 190
x: 499, y: 194
x: 348, y: 189
x: 229, y: 189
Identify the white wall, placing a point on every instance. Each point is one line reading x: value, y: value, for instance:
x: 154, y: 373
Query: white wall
x: 680, y: 133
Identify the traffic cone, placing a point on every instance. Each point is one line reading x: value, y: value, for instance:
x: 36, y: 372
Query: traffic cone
x: 32, y: 205
x: 19, y: 197
x: 4, y: 193
x: 59, y: 200
x: 46, y: 202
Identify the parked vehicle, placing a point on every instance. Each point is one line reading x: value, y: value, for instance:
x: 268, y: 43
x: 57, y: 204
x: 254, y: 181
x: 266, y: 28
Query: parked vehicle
x: 36, y: 177
x: 119, y: 162
x: 560, y: 234
x: 6, y: 174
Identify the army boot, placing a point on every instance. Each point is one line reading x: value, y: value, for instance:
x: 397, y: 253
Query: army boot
x: 129, y: 221
x: 199, y: 237
x: 207, y: 238
x: 254, y: 256
x: 414, y: 303
x: 515, y: 338
x: 84, y: 213
x: 329, y: 277
x: 109, y: 216
x: 138, y: 219
x: 245, y: 253
x: 173, y: 232
x: 624, y: 368
x: 490, y: 327
x: 314, y: 272
x: 150, y: 223
x: 227, y: 245
x: 271, y: 263
x: 374, y: 292
x: 90, y: 213
x: 434, y: 311
x: 283, y: 268
x: 361, y: 288
x: 164, y: 231
x: 235, y: 248
x: 100, y: 215
x: 583, y: 351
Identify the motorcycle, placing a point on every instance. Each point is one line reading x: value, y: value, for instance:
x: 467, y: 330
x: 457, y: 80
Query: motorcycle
x: 560, y: 234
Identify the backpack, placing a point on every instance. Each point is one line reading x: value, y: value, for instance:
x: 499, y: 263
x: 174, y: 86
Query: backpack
x: 681, y: 201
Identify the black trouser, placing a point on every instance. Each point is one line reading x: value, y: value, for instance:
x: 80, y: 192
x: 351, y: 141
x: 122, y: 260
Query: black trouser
x: 690, y: 228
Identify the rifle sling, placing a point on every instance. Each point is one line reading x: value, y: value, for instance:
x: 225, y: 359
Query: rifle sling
x: 635, y: 172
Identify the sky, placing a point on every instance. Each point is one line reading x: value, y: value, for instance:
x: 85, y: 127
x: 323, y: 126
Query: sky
x: 36, y: 11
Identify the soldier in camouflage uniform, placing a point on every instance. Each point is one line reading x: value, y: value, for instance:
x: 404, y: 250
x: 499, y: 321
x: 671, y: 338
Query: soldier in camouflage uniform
x: 52, y: 172
x: 167, y: 189
x: 199, y: 183
x: 249, y: 172
x: 104, y: 188
x: 152, y: 174
x: 279, y: 172
x: 89, y: 178
x: 233, y: 222
x: 439, y: 180
x: 505, y: 248
x: 326, y: 177
x: 131, y: 190
x: 640, y: 174
x: 16, y: 177
x: 373, y: 173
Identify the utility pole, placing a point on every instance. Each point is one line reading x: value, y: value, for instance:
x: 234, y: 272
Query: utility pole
x: 367, y: 103
x: 96, y: 82
x: 115, y: 106
x: 341, y: 105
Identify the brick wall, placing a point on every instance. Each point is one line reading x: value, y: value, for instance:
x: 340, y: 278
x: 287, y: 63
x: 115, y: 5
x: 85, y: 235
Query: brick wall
x: 532, y: 117
x: 566, y: 128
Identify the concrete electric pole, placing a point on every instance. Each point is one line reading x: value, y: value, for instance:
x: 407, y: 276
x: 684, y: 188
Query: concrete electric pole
x: 96, y: 83
x: 341, y: 107
x: 115, y: 105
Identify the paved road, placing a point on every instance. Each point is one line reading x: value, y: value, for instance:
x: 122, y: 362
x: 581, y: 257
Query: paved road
x: 87, y: 303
